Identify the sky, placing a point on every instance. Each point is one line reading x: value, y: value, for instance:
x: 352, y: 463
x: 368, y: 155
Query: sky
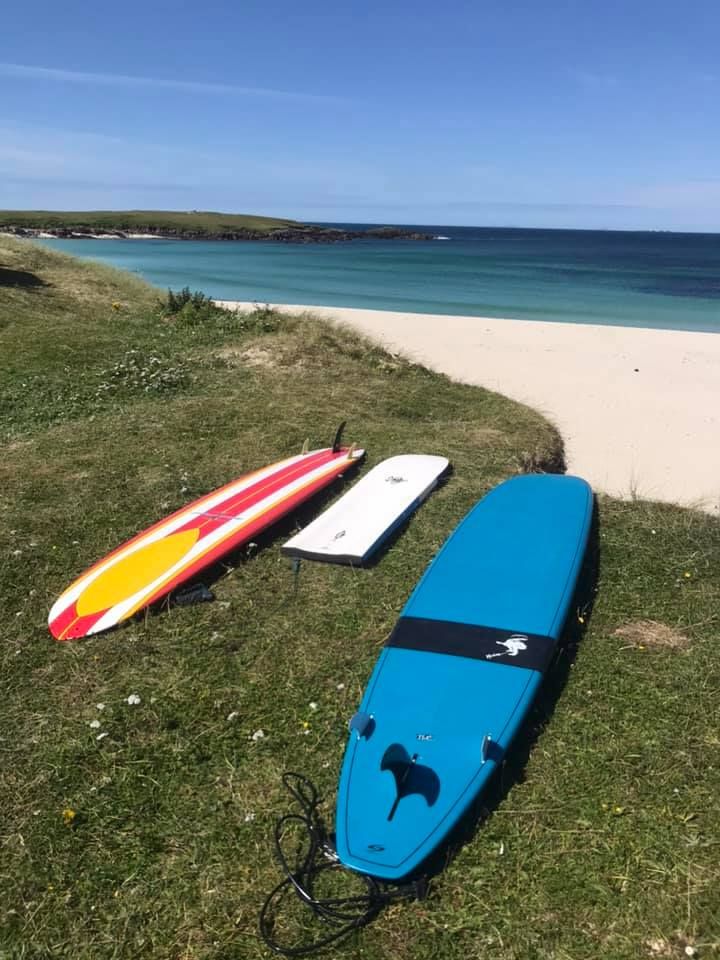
x: 538, y: 113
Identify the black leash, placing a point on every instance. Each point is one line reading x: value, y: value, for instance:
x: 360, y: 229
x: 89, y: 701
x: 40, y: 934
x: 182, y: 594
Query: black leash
x: 342, y: 914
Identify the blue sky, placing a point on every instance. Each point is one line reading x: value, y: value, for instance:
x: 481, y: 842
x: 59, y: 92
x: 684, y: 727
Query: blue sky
x: 498, y: 112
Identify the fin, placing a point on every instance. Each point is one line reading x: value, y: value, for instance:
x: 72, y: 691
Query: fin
x: 363, y: 724
x: 410, y: 776
x: 338, y: 437
x: 198, y: 593
x: 306, y: 446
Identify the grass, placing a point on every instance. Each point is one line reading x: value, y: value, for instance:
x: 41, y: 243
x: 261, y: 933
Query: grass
x: 195, y: 221
x: 603, y: 838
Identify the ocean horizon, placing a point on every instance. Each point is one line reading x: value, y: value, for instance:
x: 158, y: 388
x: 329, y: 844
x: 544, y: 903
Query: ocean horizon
x: 626, y: 278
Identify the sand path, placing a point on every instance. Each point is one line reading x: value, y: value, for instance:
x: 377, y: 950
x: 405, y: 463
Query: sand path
x: 638, y: 409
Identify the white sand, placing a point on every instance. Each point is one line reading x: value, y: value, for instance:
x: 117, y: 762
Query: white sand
x: 638, y: 409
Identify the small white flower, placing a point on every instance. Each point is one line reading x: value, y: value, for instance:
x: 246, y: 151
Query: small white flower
x: 690, y: 951
x: 258, y: 735
x: 249, y: 817
x: 17, y: 553
x: 313, y: 705
x: 306, y: 732
x: 101, y: 736
x: 326, y: 764
x: 341, y: 686
x: 100, y: 706
x: 501, y: 851
x: 95, y: 724
x: 231, y: 716
x: 133, y: 699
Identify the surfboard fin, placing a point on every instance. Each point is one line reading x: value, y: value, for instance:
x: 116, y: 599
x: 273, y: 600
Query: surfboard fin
x: 363, y: 724
x: 306, y: 446
x: 338, y: 437
x: 410, y: 776
x: 198, y: 593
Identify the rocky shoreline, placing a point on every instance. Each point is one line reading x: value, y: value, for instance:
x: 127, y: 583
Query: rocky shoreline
x: 303, y: 234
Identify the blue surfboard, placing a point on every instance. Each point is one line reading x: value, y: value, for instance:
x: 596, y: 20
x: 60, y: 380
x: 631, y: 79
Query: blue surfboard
x: 459, y: 672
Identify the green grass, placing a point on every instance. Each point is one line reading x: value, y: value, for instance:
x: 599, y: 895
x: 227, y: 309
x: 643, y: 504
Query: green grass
x: 195, y: 221
x: 603, y: 840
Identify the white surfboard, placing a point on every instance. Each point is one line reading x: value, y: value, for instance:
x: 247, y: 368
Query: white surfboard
x: 355, y: 525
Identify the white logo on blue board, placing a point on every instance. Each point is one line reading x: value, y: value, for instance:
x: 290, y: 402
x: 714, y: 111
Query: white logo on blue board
x: 513, y: 645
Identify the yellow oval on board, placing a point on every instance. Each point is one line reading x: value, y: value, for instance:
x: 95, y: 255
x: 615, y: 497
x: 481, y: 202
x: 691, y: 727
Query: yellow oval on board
x: 139, y: 569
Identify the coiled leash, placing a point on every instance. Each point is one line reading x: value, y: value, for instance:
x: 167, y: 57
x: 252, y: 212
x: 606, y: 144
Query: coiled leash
x: 342, y: 914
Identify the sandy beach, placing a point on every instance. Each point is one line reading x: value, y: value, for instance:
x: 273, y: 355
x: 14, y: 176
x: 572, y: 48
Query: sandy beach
x: 638, y: 409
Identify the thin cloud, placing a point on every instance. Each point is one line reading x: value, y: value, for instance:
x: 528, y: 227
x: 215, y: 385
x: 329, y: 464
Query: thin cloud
x: 595, y: 80
x: 27, y: 72
x: 82, y: 184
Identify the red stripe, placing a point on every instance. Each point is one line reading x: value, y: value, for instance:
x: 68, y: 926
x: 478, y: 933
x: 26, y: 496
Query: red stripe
x: 247, y: 499
x: 248, y: 532
x: 314, y: 459
x: 68, y: 624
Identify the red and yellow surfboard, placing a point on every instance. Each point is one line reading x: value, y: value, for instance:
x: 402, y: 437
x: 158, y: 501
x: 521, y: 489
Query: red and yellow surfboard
x: 172, y: 551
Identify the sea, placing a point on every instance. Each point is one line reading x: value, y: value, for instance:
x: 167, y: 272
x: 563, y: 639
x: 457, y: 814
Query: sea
x: 641, y: 279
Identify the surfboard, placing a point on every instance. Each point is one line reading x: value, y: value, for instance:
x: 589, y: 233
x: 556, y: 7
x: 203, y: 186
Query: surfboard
x: 353, y: 528
x: 459, y: 672
x: 170, y: 552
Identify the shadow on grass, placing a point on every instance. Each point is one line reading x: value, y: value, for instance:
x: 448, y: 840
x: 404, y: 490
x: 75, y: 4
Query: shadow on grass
x: 512, y: 770
x: 19, y: 278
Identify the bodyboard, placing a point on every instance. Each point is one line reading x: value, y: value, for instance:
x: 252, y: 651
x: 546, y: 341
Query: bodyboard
x: 356, y: 525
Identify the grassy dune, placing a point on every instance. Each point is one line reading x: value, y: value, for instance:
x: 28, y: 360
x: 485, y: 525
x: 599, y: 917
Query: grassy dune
x: 154, y: 840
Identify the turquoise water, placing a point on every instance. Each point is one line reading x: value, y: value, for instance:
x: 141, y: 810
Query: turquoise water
x: 577, y: 276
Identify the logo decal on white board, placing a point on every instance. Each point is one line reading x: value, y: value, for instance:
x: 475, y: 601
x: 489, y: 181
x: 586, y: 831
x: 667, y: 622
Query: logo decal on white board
x: 513, y: 645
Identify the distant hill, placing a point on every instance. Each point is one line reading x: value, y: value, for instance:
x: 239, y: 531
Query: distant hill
x: 171, y: 224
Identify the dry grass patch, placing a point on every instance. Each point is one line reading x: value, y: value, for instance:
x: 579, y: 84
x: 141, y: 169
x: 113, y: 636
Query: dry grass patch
x: 651, y: 633
x: 248, y: 357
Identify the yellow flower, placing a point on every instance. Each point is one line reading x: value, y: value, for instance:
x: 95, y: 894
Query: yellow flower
x: 68, y: 816
x: 687, y: 574
x: 116, y: 304
x: 305, y: 724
